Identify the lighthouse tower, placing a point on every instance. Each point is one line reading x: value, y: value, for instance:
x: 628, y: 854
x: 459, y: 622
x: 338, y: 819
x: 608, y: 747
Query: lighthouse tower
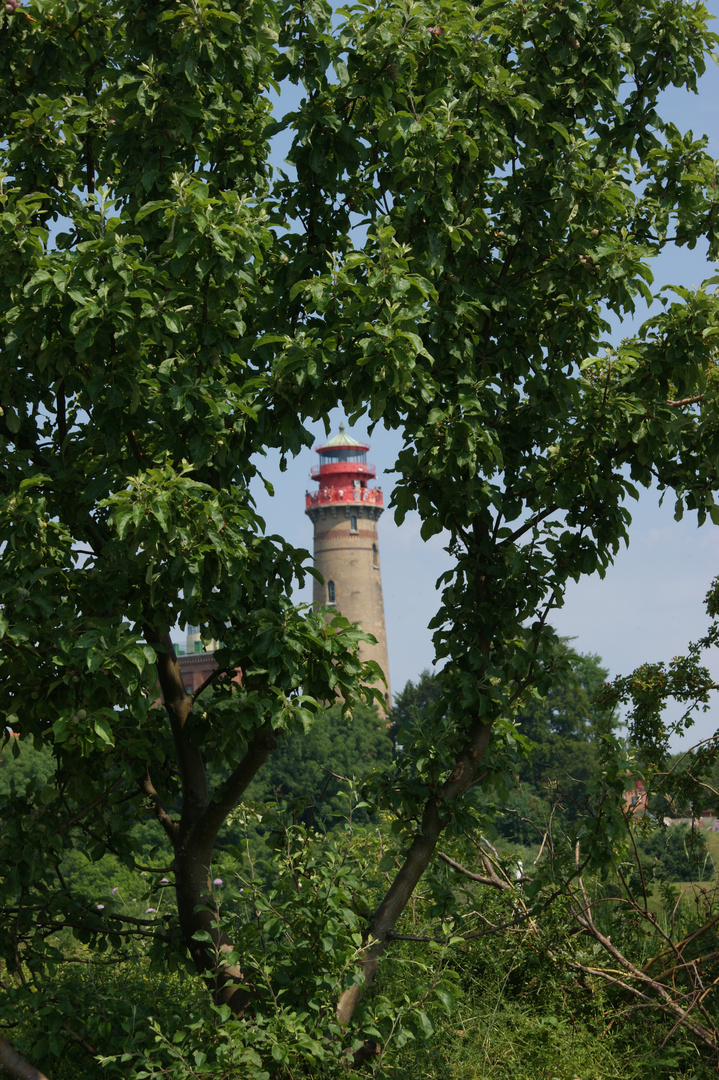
x: 345, y: 511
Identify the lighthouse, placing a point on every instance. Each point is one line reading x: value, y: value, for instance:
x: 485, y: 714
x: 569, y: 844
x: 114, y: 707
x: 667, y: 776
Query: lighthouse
x: 344, y: 511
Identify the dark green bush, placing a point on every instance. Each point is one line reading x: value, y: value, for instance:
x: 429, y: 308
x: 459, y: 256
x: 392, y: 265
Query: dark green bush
x: 677, y: 853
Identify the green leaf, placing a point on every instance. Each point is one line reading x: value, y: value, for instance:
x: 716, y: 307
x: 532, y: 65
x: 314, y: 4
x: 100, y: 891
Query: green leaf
x: 12, y: 420
x: 427, y: 1025
x: 103, y: 731
x: 149, y: 208
x: 136, y: 655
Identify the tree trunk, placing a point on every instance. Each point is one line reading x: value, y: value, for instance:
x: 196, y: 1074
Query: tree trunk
x: 199, y: 914
x: 416, y: 862
x: 193, y: 837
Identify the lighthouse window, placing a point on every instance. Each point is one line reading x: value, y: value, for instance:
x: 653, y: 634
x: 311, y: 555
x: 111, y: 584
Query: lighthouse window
x: 375, y: 555
x: 353, y: 524
x: 330, y: 592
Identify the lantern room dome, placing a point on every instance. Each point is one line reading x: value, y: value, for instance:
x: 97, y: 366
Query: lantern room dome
x: 342, y: 448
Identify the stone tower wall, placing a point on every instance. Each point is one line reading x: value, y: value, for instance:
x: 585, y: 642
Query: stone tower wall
x: 348, y: 558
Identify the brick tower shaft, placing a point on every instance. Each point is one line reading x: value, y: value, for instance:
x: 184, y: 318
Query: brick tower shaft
x: 344, y: 512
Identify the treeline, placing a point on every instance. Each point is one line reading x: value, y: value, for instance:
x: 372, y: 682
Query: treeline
x: 335, y: 773
x: 519, y: 956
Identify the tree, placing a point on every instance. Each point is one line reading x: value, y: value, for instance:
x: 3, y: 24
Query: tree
x: 565, y: 728
x: 684, y: 784
x: 313, y: 770
x: 679, y: 854
x: 172, y: 310
x: 559, y: 735
x: 414, y: 701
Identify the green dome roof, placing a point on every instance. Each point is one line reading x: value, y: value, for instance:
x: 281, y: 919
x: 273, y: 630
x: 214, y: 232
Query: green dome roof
x: 343, y: 441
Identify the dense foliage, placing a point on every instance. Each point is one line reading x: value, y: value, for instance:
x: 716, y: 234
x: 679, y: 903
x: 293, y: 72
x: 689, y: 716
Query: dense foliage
x: 312, y: 770
x: 678, y: 854
x: 170, y: 310
x: 560, y: 736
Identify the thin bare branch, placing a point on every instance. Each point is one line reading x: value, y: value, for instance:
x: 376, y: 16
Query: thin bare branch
x: 528, y: 526
x: 211, y: 678
x: 170, y: 826
x: 493, y: 880
x: 633, y: 975
x: 686, y: 401
x: 79, y: 814
x: 87, y: 1046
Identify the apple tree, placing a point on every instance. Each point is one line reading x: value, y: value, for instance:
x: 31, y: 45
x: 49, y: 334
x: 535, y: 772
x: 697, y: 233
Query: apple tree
x: 470, y: 189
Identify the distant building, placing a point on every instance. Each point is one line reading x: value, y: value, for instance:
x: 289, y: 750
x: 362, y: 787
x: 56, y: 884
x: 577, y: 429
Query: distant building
x: 635, y: 795
x: 344, y: 511
x: 196, y: 664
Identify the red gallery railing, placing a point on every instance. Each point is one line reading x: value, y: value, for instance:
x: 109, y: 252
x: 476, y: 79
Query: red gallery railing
x: 343, y: 495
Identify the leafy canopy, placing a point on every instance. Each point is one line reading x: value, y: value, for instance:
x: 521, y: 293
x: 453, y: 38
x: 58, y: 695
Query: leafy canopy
x: 472, y: 187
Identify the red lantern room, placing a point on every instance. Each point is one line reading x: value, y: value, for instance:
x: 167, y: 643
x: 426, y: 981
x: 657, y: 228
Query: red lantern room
x: 343, y: 473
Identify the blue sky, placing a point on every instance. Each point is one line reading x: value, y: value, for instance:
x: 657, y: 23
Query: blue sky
x: 650, y: 602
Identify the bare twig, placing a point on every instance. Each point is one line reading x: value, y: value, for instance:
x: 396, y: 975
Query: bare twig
x: 687, y: 401
x: 493, y: 879
x: 74, y: 818
x: 169, y: 825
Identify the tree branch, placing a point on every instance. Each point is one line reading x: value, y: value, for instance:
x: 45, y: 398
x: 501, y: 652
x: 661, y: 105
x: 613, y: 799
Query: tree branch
x: 211, y: 678
x: 87, y: 1046
x: 61, y: 410
x: 493, y: 880
x: 90, y: 806
x: 687, y: 400
x: 262, y: 743
x: 15, y: 1065
x: 170, y: 826
x: 540, y: 516
x: 179, y: 708
x: 633, y: 974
